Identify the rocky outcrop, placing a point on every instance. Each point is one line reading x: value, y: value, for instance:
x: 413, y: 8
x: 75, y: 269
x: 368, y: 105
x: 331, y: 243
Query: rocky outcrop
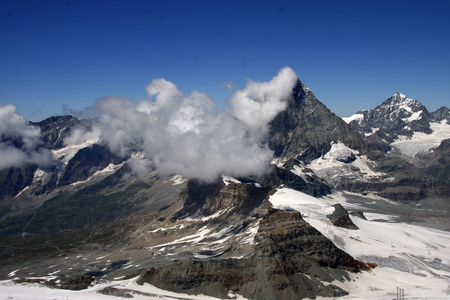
x: 442, y: 114
x: 86, y: 162
x: 403, y: 190
x: 205, y: 199
x: 438, y: 164
x: 55, y: 129
x: 75, y: 283
x: 14, y: 180
x: 292, y: 260
x: 340, y: 218
x: 309, y: 184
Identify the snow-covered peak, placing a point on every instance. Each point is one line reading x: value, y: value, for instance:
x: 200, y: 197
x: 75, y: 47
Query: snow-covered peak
x: 399, y: 95
x: 400, y: 101
x: 356, y: 117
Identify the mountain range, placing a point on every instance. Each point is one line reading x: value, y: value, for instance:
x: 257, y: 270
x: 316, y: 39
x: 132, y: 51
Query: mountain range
x: 341, y: 199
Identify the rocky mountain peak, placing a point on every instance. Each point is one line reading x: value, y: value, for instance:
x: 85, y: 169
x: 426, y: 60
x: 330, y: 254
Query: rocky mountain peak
x: 401, y: 104
x: 397, y: 115
x: 306, y: 129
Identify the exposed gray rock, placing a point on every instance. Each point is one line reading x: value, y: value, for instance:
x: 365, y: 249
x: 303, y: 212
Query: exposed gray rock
x: 442, y: 114
x: 122, y: 293
x: 340, y: 217
x: 393, y: 116
x: 292, y: 260
x: 358, y: 214
x: 86, y: 162
x: 306, y: 129
x: 13, y: 180
x: 309, y: 184
x: 438, y: 164
x: 55, y: 129
x: 206, y: 199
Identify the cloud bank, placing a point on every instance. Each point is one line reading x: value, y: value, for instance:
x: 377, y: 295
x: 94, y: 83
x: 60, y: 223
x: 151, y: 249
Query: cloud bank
x: 260, y: 102
x: 186, y: 135
x: 20, y: 143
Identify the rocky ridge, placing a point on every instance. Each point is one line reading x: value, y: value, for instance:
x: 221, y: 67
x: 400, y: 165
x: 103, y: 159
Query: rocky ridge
x: 397, y: 116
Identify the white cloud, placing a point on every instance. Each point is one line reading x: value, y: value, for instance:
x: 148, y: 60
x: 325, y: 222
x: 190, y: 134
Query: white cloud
x: 141, y: 166
x: 185, y: 134
x: 260, y: 102
x: 13, y: 125
x: 82, y: 135
x: 20, y: 142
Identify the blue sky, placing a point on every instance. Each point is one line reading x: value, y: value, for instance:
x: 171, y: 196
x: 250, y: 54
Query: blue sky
x: 352, y: 54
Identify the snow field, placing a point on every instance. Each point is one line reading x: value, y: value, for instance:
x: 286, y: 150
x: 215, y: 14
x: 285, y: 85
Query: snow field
x: 9, y: 290
x: 409, y: 256
x: 421, y: 142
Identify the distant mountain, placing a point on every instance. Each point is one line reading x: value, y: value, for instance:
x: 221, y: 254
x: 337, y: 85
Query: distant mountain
x: 402, y: 124
x: 442, y: 114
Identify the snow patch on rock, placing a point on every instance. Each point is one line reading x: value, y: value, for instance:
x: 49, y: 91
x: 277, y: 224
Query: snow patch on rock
x: 355, y: 117
x: 332, y: 166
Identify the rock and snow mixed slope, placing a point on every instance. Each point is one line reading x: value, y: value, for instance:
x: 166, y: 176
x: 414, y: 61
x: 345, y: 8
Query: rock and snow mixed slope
x: 421, y: 142
x: 408, y: 256
x: 341, y: 163
x: 92, y: 214
x: 101, y: 291
x: 403, y: 124
x: 412, y: 257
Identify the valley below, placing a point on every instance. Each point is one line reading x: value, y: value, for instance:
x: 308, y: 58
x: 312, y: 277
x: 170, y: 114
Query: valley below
x: 407, y: 243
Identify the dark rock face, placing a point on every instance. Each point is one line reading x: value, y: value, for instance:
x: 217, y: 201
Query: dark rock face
x: 306, y: 129
x: 358, y: 214
x: 340, y: 218
x: 438, y: 164
x: 310, y: 185
x: 292, y: 260
x: 86, y: 162
x: 55, y: 129
x: 13, y: 180
x: 403, y: 190
x: 287, y: 235
x: 118, y: 292
x: 442, y: 114
x: 206, y: 199
x: 74, y: 283
x: 74, y: 210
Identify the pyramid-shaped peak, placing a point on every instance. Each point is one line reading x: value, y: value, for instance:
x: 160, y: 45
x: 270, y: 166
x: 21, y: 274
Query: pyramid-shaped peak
x: 398, y: 94
x: 400, y: 101
x: 401, y: 97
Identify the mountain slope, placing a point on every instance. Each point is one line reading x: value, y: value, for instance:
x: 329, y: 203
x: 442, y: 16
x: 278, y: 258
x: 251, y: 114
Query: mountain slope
x: 306, y: 129
x: 285, y: 233
x: 398, y: 120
